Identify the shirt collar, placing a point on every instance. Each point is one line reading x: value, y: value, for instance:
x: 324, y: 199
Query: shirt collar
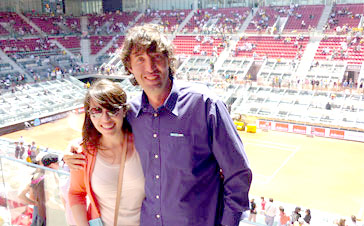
x: 169, y: 103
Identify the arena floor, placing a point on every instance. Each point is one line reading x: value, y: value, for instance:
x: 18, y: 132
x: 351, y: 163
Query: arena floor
x: 318, y: 173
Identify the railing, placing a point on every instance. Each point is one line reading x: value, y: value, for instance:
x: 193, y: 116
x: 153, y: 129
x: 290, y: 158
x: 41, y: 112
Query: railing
x: 16, y: 176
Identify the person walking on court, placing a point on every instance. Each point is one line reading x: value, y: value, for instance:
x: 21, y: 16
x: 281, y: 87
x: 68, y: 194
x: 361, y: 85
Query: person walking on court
x: 253, y: 211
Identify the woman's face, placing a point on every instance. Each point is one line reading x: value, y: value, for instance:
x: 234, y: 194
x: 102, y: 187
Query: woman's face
x: 107, y: 122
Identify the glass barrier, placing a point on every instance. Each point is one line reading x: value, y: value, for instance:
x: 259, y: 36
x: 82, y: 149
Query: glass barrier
x: 21, y: 182
x: 29, y: 192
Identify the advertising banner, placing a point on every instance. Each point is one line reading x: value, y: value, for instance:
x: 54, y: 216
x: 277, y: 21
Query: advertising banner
x: 282, y: 127
x: 299, y: 129
x: 317, y: 131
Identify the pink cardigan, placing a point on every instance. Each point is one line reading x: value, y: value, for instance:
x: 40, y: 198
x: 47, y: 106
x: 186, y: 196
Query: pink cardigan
x: 81, y: 186
x: 81, y: 183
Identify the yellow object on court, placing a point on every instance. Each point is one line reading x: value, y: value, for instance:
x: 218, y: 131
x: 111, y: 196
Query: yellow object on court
x: 239, y: 125
x: 251, y: 128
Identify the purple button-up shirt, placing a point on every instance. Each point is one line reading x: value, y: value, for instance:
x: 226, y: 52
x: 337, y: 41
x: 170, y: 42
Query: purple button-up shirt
x: 182, y: 146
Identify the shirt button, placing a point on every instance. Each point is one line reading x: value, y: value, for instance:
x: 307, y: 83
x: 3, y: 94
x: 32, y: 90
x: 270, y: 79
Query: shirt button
x: 158, y: 216
x: 155, y: 114
x: 157, y: 196
x: 155, y: 135
x: 156, y: 156
x: 157, y: 176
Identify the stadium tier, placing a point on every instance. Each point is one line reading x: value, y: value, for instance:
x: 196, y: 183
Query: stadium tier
x: 271, y: 47
x: 343, y: 17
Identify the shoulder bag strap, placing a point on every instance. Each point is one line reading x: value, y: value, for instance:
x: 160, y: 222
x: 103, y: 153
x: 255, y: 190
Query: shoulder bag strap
x: 120, y: 180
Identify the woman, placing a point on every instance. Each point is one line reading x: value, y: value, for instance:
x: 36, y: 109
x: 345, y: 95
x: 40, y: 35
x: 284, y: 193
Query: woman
x: 105, y: 132
x: 34, y: 194
x: 307, y: 217
x: 283, y: 218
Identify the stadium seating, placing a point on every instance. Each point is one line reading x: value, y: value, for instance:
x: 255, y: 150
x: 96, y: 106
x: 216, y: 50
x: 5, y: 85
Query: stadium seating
x: 266, y: 16
x: 186, y: 45
x: 72, y: 43
x: 270, y: 47
x: 264, y: 76
x: 26, y: 45
x: 17, y: 24
x: 47, y: 24
x: 115, y: 22
x: 117, y: 44
x: 74, y: 24
x: 310, y: 14
x: 170, y: 19
x: 98, y: 42
x: 3, y: 31
x: 226, y: 20
x: 334, y: 45
x: 345, y: 15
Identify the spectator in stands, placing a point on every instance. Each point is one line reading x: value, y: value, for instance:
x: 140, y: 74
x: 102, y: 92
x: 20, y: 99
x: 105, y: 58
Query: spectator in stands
x: 338, y: 30
x: 303, y: 24
x: 270, y: 212
x: 295, y: 43
x: 325, y: 50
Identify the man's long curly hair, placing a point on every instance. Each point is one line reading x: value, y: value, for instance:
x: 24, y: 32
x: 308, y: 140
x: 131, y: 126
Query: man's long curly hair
x: 150, y: 39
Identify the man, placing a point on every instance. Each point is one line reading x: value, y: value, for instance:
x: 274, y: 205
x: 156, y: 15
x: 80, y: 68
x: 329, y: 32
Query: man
x: 270, y: 212
x: 184, y: 135
x: 185, y: 138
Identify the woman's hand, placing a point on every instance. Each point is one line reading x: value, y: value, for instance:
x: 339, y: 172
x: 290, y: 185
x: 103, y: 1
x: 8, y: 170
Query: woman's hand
x: 74, y: 159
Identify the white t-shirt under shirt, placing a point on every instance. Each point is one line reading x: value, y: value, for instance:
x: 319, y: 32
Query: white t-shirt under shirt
x: 104, y: 181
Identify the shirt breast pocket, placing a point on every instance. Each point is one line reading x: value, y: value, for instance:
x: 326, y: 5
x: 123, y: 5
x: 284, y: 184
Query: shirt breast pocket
x: 178, y: 152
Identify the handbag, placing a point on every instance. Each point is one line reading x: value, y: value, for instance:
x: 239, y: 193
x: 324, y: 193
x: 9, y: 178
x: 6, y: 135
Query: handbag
x: 98, y: 221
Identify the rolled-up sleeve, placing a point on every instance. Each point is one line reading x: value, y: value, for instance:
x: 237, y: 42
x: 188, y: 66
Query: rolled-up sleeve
x: 77, y: 192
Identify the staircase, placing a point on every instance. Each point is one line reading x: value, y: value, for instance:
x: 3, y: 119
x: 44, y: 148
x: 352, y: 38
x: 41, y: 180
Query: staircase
x: 26, y: 19
x: 131, y: 23
x: 104, y: 49
x: 63, y: 48
x: 226, y: 53
x: 324, y: 17
x: 247, y: 21
x: 185, y: 21
x: 64, y: 28
x: 7, y: 27
x: 86, y: 50
x: 308, y: 56
x: 84, y: 23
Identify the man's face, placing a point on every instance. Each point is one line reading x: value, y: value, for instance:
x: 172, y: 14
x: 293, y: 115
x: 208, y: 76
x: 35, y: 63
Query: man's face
x: 150, y: 71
